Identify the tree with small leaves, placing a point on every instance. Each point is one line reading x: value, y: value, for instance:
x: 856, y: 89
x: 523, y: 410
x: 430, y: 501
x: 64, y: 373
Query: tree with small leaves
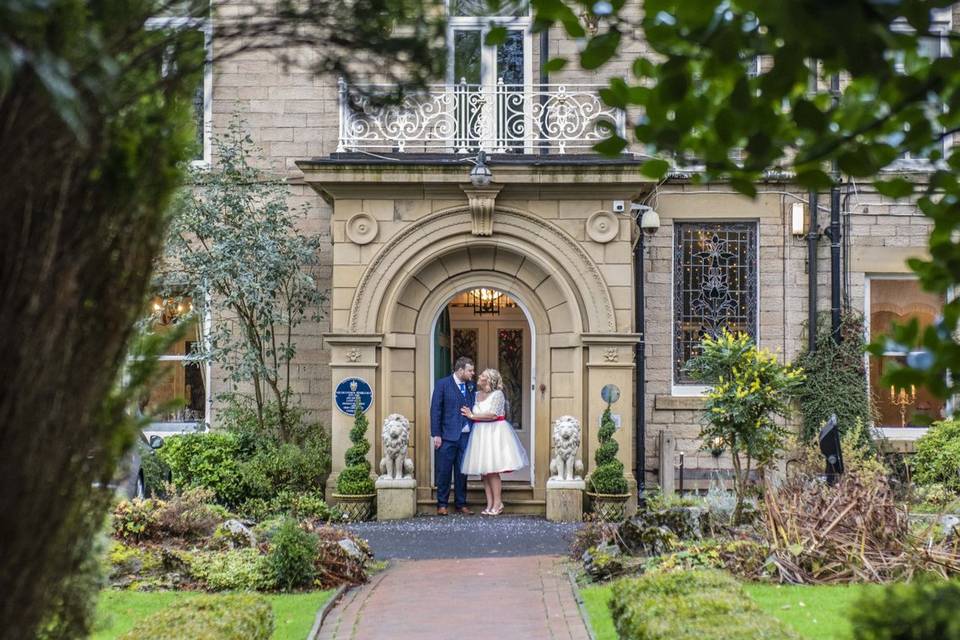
x: 607, y: 477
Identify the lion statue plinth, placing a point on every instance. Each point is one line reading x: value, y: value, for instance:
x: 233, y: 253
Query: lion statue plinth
x: 395, y: 465
x: 564, y: 464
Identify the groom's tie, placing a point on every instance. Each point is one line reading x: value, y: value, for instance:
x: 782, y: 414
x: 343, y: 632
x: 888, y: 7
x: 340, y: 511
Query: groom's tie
x: 463, y: 388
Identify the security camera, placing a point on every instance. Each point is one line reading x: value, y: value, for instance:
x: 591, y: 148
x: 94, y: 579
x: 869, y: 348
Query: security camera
x: 649, y: 219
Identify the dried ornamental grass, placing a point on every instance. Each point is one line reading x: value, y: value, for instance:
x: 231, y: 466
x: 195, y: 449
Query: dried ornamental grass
x: 853, y: 532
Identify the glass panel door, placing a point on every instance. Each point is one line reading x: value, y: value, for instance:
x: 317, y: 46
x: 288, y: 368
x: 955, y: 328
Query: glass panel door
x: 468, y: 67
x: 511, y: 108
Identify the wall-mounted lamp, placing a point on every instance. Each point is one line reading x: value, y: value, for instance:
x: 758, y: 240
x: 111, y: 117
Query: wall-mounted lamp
x: 480, y: 174
x: 798, y: 219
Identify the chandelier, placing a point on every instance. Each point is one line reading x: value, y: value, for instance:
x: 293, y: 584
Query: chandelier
x: 170, y: 310
x: 485, y: 301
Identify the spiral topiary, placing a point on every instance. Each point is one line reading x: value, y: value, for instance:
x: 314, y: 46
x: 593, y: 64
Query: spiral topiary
x: 355, y: 479
x: 607, y: 477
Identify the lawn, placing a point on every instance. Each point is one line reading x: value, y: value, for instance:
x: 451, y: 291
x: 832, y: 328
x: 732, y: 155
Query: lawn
x: 818, y: 613
x: 118, y: 611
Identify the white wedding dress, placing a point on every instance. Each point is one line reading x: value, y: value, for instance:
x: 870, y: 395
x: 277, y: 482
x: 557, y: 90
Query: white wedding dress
x: 494, y: 446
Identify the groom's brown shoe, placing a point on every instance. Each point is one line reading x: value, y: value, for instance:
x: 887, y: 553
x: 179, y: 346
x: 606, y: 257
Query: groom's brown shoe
x: 441, y: 511
x: 465, y: 511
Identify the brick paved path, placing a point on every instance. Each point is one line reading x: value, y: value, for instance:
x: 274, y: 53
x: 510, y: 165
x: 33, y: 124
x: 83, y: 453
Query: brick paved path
x: 522, y: 598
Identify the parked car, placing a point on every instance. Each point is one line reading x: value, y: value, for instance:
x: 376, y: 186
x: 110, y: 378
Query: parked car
x: 130, y: 480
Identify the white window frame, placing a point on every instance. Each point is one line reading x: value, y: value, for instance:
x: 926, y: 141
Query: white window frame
x: 488, y: 56
x: 688, y: 390
x: 205, y: 26
x: 169, y: 428
x: 891, y: 433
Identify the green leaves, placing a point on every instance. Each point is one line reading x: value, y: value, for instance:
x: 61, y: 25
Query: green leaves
x: 600, y: 49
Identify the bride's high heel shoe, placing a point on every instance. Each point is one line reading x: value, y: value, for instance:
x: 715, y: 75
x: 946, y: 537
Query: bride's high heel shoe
x: 497, y: 511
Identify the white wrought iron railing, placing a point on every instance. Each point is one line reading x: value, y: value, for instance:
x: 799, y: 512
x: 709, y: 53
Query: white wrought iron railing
x: 461, y: 118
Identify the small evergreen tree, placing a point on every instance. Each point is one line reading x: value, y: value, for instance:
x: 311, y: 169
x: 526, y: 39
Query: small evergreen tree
x: 608, y: 477
x: 355, y: 479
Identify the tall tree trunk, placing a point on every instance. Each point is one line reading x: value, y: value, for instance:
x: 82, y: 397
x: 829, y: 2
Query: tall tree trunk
x: 72, y: 281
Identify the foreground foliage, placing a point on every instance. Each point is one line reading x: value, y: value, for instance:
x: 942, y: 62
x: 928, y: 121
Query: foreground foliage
x: 687, y: 605
x: 922, y: 610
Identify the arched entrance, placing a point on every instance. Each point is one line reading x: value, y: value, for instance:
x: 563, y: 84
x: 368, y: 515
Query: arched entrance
x: 388, y: 334
x: 494, y: 329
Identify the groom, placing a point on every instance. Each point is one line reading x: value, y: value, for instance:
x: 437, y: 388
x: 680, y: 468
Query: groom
x: 451, y: 432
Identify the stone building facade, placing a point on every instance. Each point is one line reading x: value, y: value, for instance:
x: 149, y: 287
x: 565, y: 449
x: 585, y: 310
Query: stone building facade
x: 408, y: 240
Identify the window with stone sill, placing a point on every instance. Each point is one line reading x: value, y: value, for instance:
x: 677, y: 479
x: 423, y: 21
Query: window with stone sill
x: 715, y: 286
x: 898, y: 300
x: 180, y: 396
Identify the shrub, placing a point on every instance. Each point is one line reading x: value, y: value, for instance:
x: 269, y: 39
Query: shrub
x: 860, y: 456
x: 134, y: 519
x: 355, y: 479
x: 607, y: 477
x: 209, y: 460
x: 690, y: 605
x: 750, y: 389
x: 228, y: 617
x: 300, y: 505
x: 836, y: 379
x: 292, y: 555
x: 938, y: 455
x: 920, y: 610
x: 234, y: 570
x: 285, y: 467
x: 188, y: 515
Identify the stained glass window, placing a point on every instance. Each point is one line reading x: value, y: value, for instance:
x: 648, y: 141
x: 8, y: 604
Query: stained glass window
x: 715, y: 285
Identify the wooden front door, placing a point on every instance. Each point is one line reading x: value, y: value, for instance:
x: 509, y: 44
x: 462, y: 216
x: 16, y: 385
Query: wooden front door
x: 500, y: 342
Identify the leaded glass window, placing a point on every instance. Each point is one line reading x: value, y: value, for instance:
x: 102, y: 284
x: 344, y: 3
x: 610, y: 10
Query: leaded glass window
x: 715, y: 285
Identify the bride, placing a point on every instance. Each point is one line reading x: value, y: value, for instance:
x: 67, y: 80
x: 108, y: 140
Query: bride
x: 494, y: 447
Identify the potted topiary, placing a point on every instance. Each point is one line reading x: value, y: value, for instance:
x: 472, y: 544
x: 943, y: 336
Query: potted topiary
x: 355, y: 493
x: 607, y: 488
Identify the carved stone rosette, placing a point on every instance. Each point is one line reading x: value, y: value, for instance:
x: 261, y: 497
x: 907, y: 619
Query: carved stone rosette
x: 602, y: 227
x: 362, y: 228
x: 482, y: 202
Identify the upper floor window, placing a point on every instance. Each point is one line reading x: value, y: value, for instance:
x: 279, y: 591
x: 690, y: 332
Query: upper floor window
x: 195, y: 32
x: 898, y: 300
x: 715, y: 285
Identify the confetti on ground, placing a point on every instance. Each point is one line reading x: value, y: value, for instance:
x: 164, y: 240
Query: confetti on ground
x: 458, y: 536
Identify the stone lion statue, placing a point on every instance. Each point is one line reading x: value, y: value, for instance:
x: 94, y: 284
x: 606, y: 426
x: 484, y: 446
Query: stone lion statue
x: 566, y: 442
x: 395, y: 464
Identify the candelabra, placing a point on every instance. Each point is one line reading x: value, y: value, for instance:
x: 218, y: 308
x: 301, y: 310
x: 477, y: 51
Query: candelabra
x: 903, y: 400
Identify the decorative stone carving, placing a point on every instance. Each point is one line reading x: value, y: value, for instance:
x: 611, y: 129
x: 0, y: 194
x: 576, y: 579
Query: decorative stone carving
x: 564, y: 465
x: 353, y: 355
x: 362, y: 228
x: 482, y: 201
x: 602, y: 226
x: 395, y: 465
x: 611, y: 355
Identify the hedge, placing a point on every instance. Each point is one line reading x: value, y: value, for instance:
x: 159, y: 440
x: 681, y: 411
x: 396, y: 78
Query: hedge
x: 690, y: 605
x: 230, y: 617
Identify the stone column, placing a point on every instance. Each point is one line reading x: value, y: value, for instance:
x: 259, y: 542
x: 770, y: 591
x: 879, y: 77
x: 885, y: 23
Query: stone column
x: 352, y: 356
x: 610, y: 361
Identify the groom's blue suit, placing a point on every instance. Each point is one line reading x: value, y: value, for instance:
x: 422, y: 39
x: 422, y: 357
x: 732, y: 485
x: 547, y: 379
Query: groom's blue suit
x: 448, y: 423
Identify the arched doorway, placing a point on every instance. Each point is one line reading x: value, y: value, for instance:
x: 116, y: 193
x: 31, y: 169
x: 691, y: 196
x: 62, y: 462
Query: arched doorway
x: 494, y: 329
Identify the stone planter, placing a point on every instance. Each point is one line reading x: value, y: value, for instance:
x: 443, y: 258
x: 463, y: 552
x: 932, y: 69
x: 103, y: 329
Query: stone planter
x: 609, y: 507
x: 356, y: 508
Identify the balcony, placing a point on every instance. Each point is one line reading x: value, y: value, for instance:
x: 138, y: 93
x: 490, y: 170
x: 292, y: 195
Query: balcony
x: 465, y: 118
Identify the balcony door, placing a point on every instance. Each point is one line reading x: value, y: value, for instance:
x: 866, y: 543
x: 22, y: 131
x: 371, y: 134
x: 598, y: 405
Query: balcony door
x: 490, y: 84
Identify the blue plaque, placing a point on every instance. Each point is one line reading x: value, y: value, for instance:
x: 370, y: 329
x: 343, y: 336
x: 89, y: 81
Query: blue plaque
x: 349, y: 392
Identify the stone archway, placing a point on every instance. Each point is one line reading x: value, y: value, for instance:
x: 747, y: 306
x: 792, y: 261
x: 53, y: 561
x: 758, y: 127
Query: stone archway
x: 388, y: 332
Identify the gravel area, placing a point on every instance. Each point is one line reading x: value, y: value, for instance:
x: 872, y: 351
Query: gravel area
x: 456, y: 536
